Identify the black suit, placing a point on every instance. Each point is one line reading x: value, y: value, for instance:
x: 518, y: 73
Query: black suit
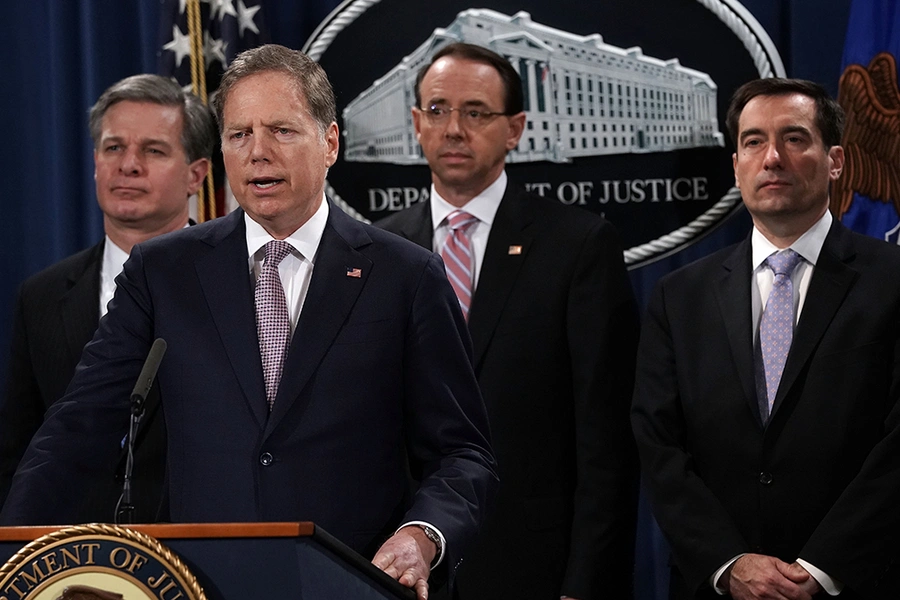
x: 377, y: 383
x: 56, y: 315
x: 554, y: 332
x: 822, y: 480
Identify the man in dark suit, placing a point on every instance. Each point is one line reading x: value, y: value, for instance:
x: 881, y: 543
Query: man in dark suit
x: 765, y: 408
x: 152, y: 147
x: 313, y: 362
x: 554, y: 330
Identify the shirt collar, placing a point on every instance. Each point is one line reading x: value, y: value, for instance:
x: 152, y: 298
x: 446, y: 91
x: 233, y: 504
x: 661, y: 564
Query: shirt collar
x: 113, y: 257
x: 483, y: 206
x: 809, y: 245
x: 304, y: 240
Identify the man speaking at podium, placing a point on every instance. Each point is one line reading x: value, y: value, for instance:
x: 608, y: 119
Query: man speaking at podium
x: 314, y: 363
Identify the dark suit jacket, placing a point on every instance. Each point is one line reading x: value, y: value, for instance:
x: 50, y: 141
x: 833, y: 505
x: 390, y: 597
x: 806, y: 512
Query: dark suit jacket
x: 554, y: 331
x: 822, y: 480
x: 57, y: 311
x: 377, y: 382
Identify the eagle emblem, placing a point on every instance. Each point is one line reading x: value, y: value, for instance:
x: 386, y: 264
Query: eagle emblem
x: 871, y: 142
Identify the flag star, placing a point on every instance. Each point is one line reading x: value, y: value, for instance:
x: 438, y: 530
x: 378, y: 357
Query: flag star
x: 245, y: 18
x: 223, y: 7
x: 214, y: 49
x: 180, y: 45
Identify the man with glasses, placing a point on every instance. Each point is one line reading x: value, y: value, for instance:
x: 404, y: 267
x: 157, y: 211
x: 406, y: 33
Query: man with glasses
x: 553, y: 324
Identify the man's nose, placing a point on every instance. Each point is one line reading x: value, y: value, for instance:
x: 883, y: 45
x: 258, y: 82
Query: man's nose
x: 132, y: 162
x: 260, y: 149
x: 454, y: 127
x: 772, y: 158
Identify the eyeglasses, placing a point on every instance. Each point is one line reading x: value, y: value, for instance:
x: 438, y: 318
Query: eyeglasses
x: 473, y: 118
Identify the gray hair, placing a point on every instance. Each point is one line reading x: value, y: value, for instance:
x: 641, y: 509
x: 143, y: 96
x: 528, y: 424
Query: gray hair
x: 198, y: 130
x: 309, y: 78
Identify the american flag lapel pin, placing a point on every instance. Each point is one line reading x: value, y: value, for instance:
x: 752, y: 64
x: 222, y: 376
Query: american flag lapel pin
x: 515, y: 250
x: 355, y: 273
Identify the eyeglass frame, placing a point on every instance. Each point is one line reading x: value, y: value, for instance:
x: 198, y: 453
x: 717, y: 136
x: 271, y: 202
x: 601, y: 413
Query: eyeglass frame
x: 486, y: 115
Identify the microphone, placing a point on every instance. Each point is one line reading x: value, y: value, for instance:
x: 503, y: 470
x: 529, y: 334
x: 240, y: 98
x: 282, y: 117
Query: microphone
x: 148, y: 374
x: 124, y: 508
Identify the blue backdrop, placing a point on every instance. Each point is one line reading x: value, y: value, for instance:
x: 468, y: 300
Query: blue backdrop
x: 61, y: 55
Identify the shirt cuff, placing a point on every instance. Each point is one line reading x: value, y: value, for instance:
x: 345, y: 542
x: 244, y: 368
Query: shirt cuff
x: 443, y: 547
x: 714, y: 580
x: 832, y: 586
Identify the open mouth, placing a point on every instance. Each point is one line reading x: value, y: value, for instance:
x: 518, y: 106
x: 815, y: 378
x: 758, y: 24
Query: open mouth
x: 265, y: 183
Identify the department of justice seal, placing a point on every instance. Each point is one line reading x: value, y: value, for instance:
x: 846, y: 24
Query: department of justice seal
x: 624, y: 104
x: 97, y: 562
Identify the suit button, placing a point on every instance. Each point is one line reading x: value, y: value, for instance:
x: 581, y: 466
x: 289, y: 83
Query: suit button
x: 266, y: 459
x: 765, y: 478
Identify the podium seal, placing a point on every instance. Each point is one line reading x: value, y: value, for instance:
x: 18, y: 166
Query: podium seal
x: 97, y: 562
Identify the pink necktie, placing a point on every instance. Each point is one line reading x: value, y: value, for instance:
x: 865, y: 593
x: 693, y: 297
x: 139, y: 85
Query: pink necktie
x: 273, y: 323
x: 457, y: 255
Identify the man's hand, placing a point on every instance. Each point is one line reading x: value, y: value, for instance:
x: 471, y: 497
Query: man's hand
x: 758, y: 577
x: 811, y: 586
x: 406, y: 557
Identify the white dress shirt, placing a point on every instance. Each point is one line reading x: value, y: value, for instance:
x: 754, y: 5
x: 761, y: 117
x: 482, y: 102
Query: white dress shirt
x: 113, y: 260
x: 809, y: 246
x: 296, y: 268
x: 295, y: 271
x: 111, y: 265
x: 483, y: 207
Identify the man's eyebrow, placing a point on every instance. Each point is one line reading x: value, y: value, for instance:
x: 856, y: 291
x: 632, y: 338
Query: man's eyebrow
x: 749, y: 132
x: 464, y: 103
x: 116, y: 139
x: 795, y: 129
x: 787, y: 129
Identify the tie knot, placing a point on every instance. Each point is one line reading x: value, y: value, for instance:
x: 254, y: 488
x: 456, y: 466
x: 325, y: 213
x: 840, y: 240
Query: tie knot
x: 784, y: 263
x: 276, y: 250
x: 460, y: 220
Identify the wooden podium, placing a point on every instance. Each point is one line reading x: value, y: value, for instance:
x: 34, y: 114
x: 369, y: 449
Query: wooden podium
x: 271, y: 561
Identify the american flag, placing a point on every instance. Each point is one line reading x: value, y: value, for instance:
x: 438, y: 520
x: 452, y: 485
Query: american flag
x: 221, y: 29
x: 356, y: 273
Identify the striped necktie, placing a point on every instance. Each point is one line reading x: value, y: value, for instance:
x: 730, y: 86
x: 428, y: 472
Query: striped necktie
x: 458, y: 259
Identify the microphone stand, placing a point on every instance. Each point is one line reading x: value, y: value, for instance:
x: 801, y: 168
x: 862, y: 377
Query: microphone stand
x: 125, y: 507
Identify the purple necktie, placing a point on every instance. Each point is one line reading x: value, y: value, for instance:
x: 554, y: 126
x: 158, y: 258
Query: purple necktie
x: 273, y: 323
x: 776, y: 327
x: 457, y: 255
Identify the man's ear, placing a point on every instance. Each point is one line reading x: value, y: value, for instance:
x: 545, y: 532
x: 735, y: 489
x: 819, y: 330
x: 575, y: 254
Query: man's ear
x: 197, y: 171
x: 516, y: 127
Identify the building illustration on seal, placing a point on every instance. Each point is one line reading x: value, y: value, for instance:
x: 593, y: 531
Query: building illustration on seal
x: 583, y: 97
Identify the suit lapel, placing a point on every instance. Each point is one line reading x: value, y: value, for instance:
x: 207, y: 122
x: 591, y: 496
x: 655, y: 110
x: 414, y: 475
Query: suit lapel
x: 417, y: 226
x: 331, y: 296
x: 500, y: 266
x: 225, y: 279
x: 80, y: 305
x: 831, y: 281
x: 733, y: 294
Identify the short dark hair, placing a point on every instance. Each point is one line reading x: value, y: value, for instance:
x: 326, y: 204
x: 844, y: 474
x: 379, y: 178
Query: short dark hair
x: 311, y: 81
x: 198, y: 130
x: 829, y: 114
x: 512, y: 84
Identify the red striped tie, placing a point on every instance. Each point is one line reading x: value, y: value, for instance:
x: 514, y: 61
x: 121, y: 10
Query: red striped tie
x: 458, y: 260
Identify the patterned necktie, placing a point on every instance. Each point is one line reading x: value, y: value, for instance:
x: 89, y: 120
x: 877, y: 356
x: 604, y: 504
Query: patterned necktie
x: 776, y: 327
x: 273, y: 323
x: 457, y: 255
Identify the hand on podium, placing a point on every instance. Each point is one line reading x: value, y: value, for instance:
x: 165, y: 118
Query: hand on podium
x: 406, y: 557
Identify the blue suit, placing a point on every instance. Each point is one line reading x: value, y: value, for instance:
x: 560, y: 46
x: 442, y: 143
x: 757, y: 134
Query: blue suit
x: 377, y: 386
